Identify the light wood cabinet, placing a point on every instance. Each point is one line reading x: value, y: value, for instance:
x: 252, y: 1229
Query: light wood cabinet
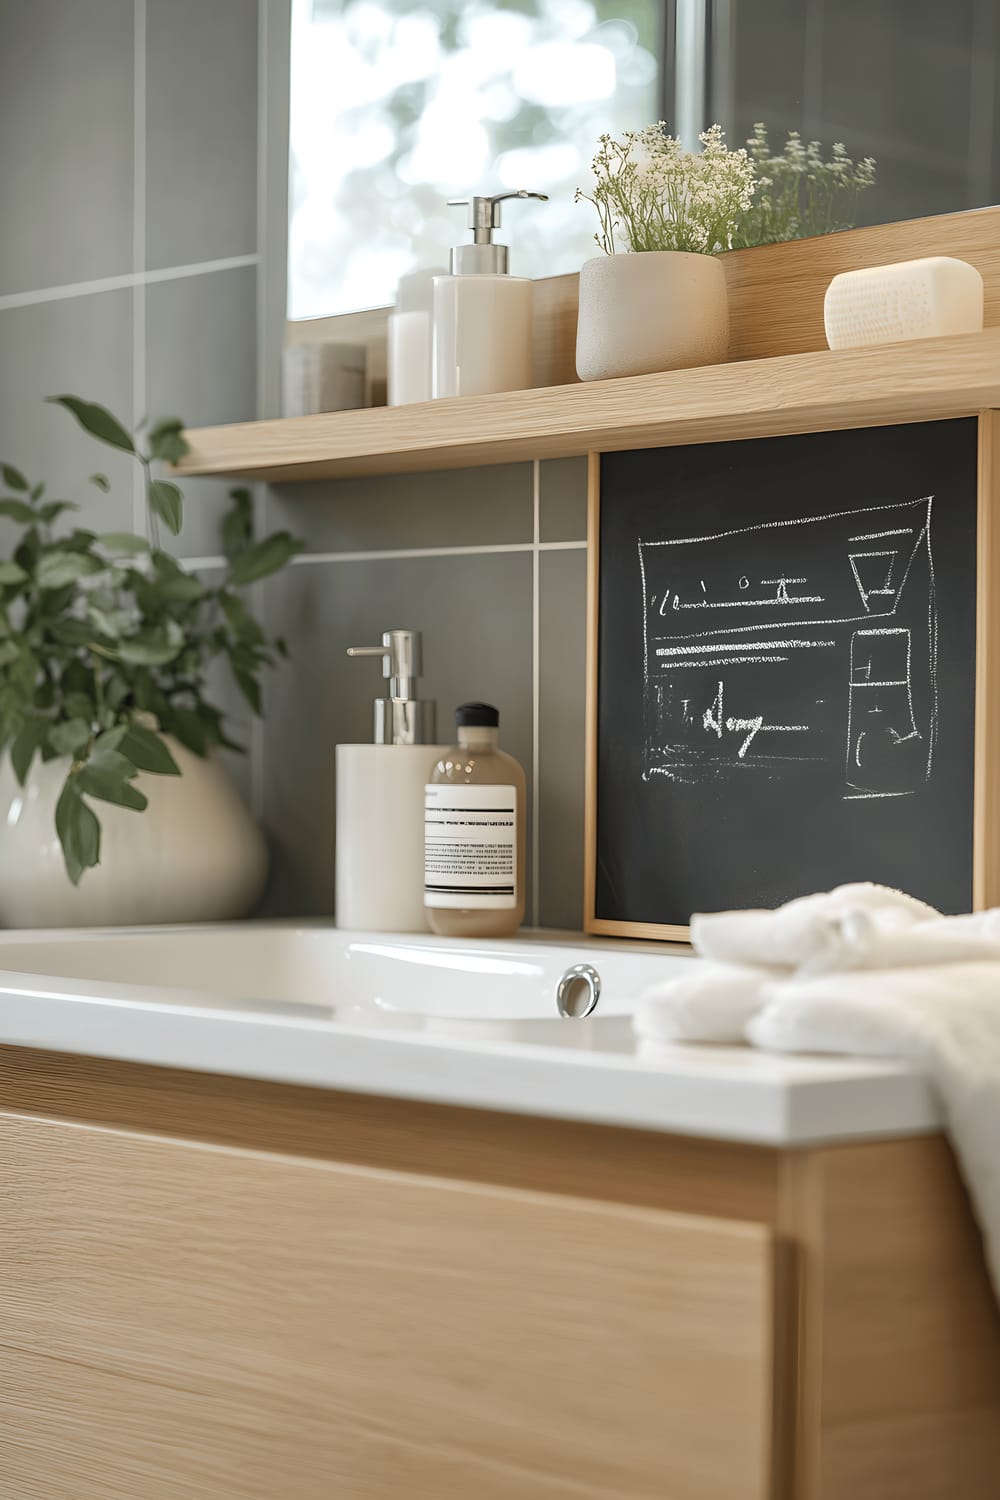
x: 185, y: 1320
x: 214, y: 1289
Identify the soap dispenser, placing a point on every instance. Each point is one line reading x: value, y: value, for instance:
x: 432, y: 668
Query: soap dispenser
x: 380, y: 799
x: 482, y: 315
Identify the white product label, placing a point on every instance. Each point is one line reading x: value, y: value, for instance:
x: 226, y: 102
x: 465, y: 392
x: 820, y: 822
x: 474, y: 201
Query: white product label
x: 470, y: 846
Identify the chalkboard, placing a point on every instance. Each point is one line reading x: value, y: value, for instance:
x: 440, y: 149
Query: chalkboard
x: 786, y: 670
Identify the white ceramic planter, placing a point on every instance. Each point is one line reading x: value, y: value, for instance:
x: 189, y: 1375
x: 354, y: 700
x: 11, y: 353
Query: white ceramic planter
x: 194, y: 854
x: 657, y: 310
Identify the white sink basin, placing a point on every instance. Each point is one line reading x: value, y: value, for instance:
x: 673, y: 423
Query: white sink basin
x: 504, y: 989
x: 437, y: 1019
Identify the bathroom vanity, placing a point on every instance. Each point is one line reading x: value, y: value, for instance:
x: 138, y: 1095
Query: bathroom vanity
x: 268, y: 1248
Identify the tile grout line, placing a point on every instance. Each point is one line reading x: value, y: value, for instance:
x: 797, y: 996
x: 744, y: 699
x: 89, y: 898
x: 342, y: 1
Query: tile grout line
x: 305, y: 559
x: 138, y: 248
x: 536, y: 693
x: 129, y: 278
x: 257, y: 738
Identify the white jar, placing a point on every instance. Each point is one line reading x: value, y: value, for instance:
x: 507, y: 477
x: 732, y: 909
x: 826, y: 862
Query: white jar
x: 193, y: 855
x: 408, y: 339
x: 648, y: 311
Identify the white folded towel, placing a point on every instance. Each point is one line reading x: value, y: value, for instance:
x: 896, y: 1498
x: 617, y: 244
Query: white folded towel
x: 945, y: 1019
x: 861, y: 970
x: 708, y: 1004
x: 803, y: 929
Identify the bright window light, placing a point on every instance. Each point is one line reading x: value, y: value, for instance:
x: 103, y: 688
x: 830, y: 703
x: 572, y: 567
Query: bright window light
x: 395, y: 109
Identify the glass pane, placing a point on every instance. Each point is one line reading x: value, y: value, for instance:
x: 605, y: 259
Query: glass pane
x: 910, y: 82
x: 396, y: 108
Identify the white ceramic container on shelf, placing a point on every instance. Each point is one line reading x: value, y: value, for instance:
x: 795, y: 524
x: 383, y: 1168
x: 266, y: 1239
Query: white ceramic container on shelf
x: 650, y: 311
x: 194, y: 854
x: 380, y: 835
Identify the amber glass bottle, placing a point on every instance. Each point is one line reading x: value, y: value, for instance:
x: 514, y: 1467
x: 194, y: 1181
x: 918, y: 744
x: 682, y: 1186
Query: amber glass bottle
x: 474, y: 833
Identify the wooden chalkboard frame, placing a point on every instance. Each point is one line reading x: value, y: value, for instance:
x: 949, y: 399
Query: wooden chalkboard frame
x: 986, y: 797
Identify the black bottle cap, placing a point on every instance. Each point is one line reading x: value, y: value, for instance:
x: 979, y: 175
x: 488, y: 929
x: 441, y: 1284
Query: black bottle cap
x: 481, y: 715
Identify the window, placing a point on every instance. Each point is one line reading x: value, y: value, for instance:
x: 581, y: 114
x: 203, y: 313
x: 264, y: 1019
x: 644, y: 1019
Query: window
x: 396, y: 108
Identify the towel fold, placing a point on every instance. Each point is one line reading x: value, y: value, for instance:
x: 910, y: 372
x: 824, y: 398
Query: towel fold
x: 859, y: 970
x: 803, y: 929
x: 945, y: 1019
x: 710, y: 1004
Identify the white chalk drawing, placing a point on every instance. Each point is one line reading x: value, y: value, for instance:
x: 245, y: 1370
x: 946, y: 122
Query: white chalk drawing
x: 747, y: 704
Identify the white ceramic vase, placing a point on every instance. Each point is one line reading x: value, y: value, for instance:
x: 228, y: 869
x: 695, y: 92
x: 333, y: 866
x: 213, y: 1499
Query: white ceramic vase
x: 649, y: 311
x: 193, y: 855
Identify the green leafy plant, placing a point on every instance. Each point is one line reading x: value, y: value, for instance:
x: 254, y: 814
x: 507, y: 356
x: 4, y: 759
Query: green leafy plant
x: 651, y: 194
x: 798, y: 193
x: 106, y: 637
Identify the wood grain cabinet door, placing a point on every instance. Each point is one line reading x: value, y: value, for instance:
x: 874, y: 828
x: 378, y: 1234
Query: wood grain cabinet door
x: 184, y: 1322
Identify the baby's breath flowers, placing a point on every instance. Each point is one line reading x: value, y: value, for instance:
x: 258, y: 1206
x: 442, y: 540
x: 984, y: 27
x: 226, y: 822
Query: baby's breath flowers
x: 651, y: 194
x: 799, y: 194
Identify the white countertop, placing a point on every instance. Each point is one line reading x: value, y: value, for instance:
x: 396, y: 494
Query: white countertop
x: 729, y: 1093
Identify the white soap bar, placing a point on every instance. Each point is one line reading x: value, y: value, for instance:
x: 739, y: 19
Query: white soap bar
x: 914, y: 299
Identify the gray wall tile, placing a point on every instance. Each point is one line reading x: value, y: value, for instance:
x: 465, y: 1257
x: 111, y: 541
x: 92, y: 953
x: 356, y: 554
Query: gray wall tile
x: 475, y: 613
x: 66, y: 76
x: 79, y: 347
x: 454, y: 508
x: 201, y: 365
x: 562, y: 494
x: 201, y: 130
x: 562, y: 642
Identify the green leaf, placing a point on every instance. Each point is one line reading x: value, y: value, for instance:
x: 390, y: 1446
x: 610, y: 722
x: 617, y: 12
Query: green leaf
x: 38, y: 492
x: 13, y: 478
x: 27, y: 553
x: 148, y: 751
x: 108, y: 742
x: 109, y: 786
x: 78, y: 705
x: 237, y: 524
x: 18, y: 510
x: 241, y: 622
x: 264, y: 558
x: 183, y: 589
x: 189, y: 727
x: 73, y: 632
x: 26, y: 742
x: 11, y: 573
x: 96, y: 420
x: 9, y: 651
x: 69, y: 737
x: 101, y: 481
x: 55, y: 508
x: 79, y: 540
x: 24, y: 672
x: 167, y: 502
x: 77, y: 678
x: 123, y: 541
x: 248, y: 686
x: 172, y: 582
x: 110, y: 622
x: 58, y: 568
x: 166, y: 440
x: 78, y: 829
x: 151, y: 648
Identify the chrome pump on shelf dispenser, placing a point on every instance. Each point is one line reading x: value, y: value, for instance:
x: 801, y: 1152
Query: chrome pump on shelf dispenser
x: 380, y: 799
x: 482, y: 315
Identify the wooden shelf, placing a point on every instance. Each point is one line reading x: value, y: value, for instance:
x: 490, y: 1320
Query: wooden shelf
x: 946, y: 377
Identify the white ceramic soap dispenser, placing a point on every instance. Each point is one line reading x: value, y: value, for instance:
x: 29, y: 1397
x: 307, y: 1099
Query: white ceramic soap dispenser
x: 482, y: 314
x: 380, y: 799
